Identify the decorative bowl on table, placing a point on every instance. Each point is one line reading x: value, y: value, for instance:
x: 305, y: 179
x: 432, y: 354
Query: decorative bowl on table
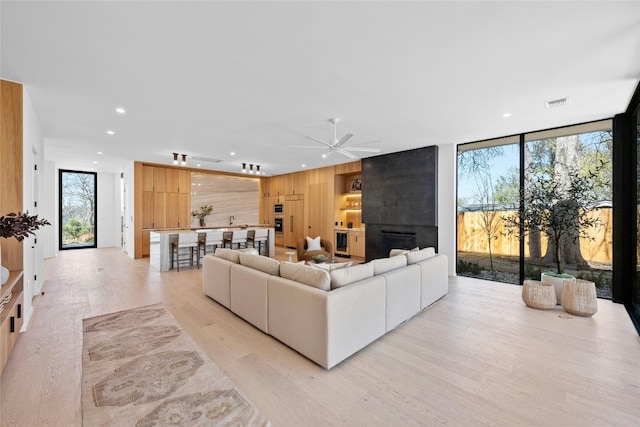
x: 319, y: 259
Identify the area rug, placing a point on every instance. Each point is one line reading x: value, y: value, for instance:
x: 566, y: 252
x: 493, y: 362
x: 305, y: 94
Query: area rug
x: 139, y: 368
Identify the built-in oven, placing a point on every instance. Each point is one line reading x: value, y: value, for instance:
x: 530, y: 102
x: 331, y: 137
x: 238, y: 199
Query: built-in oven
x: 278, y: 209
x: 341, y: 243
x: 278, y: 224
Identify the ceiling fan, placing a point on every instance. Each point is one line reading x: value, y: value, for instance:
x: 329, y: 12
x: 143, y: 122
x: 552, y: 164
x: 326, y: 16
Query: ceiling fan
x: 337, y: 145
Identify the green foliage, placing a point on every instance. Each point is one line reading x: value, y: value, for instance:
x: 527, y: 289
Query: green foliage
x: 74, y: 228
x: 203, y: 211
x: 469, y: 267
x: 532, y: 272
x: 556, y: 210
x: 601, y: 278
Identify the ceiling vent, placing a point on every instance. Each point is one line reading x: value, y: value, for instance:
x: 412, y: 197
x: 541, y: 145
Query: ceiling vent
x: 205, y: 159
x: 557, y: 102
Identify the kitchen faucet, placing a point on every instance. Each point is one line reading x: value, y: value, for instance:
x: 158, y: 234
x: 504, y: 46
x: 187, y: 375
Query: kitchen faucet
x: 231, y: 218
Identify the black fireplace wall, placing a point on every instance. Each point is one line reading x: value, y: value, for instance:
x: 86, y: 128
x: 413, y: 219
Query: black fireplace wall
x: 400, y: 194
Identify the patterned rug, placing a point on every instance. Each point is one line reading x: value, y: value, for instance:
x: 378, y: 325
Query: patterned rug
x: 139, y: 368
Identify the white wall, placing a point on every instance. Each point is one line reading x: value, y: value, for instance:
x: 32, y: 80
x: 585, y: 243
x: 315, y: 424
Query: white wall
x: 48, y: 208
x: 108, y: 221
x: 447, y: 162
x: 33, y: 154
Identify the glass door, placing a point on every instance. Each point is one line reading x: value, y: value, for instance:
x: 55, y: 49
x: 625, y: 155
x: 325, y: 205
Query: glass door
x: 78, y: 209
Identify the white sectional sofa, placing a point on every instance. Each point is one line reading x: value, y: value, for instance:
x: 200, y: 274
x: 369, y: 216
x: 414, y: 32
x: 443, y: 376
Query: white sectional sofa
x: 325, y: 315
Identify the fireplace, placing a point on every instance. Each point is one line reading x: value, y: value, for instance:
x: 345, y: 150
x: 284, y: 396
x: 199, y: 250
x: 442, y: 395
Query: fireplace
x: 397, y: 240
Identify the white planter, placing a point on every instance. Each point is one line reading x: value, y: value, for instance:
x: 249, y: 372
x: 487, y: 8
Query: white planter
x: 558, y: 283
x: 4, y: 272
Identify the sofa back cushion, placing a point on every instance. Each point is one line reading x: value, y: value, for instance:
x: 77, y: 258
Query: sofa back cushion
x: 418, y: 256
x: 345, y: 276
x: 307, y: 275
x: 382, y: 265
x: 396, y: 252
x: 262, y: 263
x: 228, y: 254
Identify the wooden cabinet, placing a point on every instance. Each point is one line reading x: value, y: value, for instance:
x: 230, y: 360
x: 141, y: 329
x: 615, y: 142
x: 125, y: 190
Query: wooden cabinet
x: 356, y: 243
x: 159, y: 180
x: 184, y: 210
x: 159, y: 210
x: 293, y: 220
x: 173, y: 180
x: 147, y: 178
x: 12, y: 315
x: 184, y: 182
x: 171, y: 212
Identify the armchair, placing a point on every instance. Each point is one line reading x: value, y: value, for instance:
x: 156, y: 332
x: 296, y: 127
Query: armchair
x: 305, y: 255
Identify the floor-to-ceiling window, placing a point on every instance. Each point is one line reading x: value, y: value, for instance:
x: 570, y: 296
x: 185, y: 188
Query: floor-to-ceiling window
x: 78, y: 213
x: 561, y: 179
x: 488, y: 191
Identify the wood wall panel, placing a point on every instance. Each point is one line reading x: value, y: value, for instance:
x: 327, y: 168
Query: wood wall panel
x: 11, y: 169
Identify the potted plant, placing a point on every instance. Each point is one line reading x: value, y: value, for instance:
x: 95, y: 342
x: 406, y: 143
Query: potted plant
x: 561, y: 212
x: 19, y: 226
x: 202, y: 212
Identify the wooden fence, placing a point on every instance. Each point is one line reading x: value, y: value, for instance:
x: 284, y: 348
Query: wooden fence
x: 471, y: 237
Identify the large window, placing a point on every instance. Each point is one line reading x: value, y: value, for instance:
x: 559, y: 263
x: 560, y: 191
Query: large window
x: 77, y: 209
x: 564, y: 189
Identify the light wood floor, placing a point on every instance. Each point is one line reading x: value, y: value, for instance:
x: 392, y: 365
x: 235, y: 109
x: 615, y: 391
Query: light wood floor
x: 477, y: 357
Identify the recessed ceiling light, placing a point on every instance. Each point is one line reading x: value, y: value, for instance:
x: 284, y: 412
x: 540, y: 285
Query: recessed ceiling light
x: 506, y: 115
x: 100, y: 153
x: 120, y: 110
x: 110, y: 132
x: 233, y: 153
x: 304, y: 166
x: 198, y: 165
x: 94, y: 162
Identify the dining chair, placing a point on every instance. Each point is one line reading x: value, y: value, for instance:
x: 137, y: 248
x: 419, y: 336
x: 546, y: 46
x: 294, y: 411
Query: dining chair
x: 227, y: 237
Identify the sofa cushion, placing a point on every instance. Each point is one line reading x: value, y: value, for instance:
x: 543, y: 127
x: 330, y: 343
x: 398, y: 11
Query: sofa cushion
x: 345, y: 276
x: 330, y: 266
x: 382, y: 265
x: 396, y: 252
x: 307, y: 275
x: 262, y: 263
x: 228, y: 254
x: 252, y: 251
x: 421, y: 255
x: 314, y: 244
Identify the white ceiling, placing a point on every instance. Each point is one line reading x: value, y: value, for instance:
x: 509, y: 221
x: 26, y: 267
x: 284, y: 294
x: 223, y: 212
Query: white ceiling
x: 208, y: 78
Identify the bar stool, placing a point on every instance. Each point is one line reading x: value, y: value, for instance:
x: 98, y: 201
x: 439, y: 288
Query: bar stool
x: 174, y: 244
x: 202, y: 246
x: 262, y: 237
x: 251, y: 239
x: 227, y: 237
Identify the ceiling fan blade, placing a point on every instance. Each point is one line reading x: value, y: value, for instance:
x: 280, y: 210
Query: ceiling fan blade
x: 315, y: 147
x: 364, y: 150
x: 343, y: 140
x: 320, y: 141
x: 346, y: 153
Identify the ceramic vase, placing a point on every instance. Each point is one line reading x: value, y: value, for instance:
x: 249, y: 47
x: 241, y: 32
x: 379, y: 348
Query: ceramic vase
x: 4, y: 273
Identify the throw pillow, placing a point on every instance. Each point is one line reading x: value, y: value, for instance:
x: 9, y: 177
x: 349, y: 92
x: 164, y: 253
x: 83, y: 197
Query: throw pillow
x: 396, y: 252
x: 421, y: 255
x: 313, y: 244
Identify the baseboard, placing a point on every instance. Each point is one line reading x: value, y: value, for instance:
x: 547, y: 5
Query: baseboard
x: 27, y: 320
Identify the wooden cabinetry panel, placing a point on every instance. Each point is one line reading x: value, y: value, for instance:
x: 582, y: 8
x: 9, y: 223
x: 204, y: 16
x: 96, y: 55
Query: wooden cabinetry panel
x: 159, y: 210
x: 146, y: 243
x: 147, y: 178
x: 293, y: 221
x: 159, y: 179
x: 147, y: 209
x: 172, y: 212
x: 356, y: 243
x: 173, y: 180
x: 184, y: 182
x: 184, y: 210
x: 12, y: 317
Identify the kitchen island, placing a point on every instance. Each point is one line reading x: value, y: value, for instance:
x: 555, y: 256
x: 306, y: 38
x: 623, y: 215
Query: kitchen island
x: 160, y: 252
